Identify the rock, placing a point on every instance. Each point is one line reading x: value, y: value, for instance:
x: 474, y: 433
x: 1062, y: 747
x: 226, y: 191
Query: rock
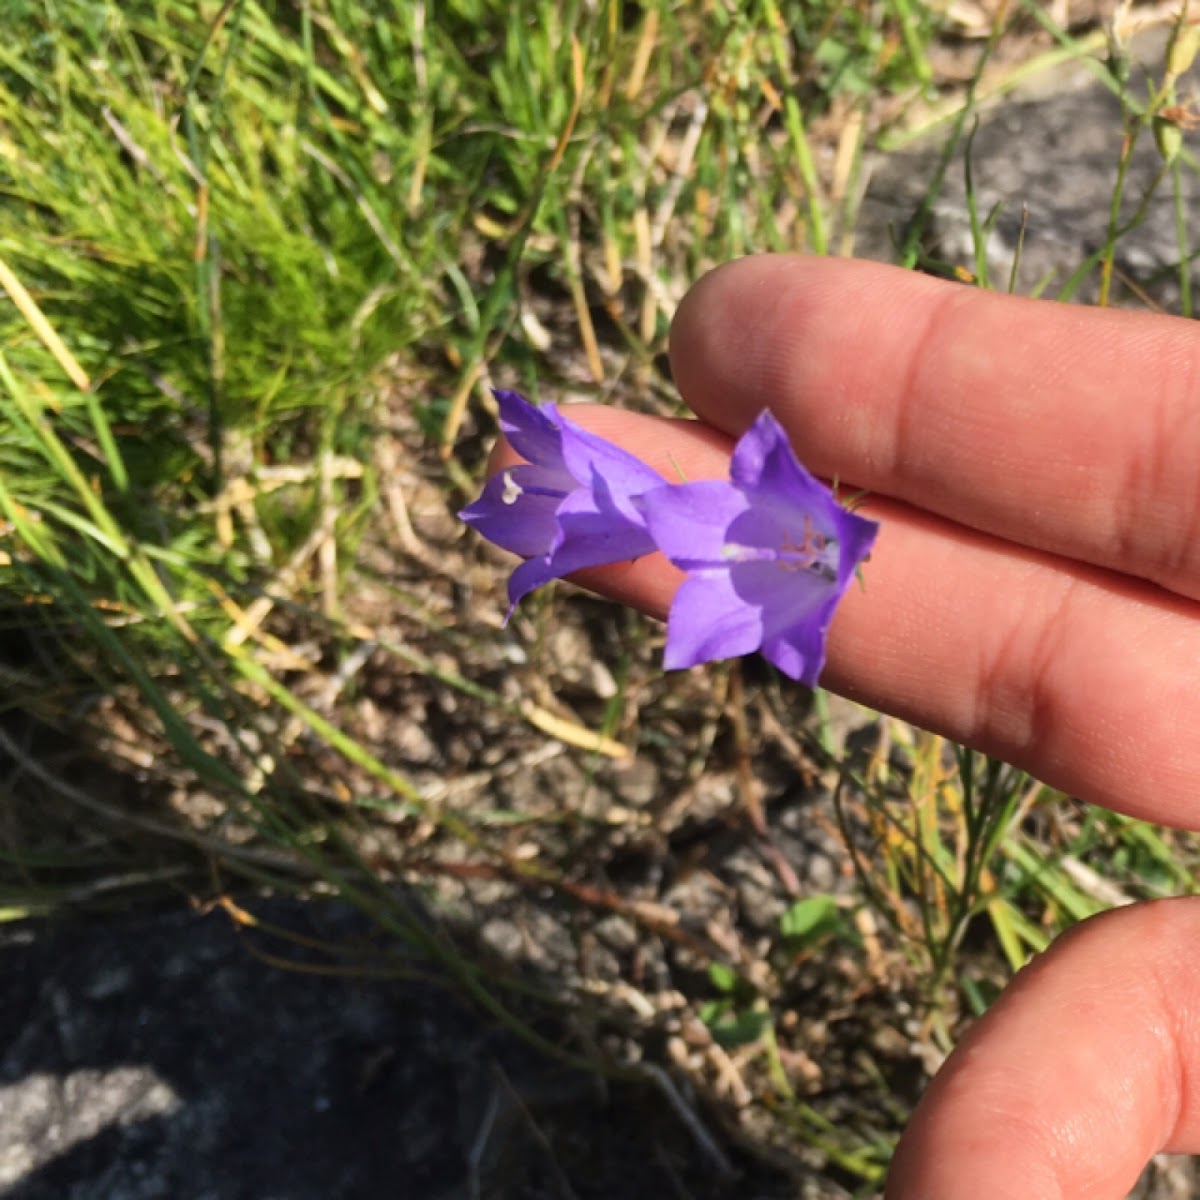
x: 1047, y: 155
x: 157, y: 1058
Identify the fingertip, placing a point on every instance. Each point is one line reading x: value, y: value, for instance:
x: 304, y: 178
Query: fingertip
x: 1081, y: 1072
x: 718, y: 327
x: 718, y: 332
x: 817, y: 340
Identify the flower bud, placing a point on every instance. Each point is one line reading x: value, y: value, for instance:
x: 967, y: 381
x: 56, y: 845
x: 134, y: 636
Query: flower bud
x: 1168, y: 137
x: 1181, y: 52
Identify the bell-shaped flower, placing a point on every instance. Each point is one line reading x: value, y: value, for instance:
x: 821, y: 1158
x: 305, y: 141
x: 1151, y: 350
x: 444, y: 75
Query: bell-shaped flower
x: 569, y: 506
x: 768, y: 555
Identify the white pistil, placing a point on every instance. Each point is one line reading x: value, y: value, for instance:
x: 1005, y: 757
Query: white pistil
x: 512, y: 489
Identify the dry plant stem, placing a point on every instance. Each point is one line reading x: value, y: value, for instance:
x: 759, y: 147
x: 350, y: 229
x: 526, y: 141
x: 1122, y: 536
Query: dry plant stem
x: 327, y: 551
x: 704, y: 1140
x: 654, y: 918
x: 539, y: 1135
x: 28, y: 308
x: 748, y: 787
x: 575, y: 283
x: 747, y: 784
x: 520, y: 228
x: 388, y: 469
x: 273, y: 860
x: 479, y: 1143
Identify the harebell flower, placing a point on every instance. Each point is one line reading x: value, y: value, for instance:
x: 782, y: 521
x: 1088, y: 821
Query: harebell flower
x: 570, y: 506
x: 766, y: 555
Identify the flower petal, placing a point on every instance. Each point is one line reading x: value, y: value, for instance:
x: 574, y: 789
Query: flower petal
x: 765, y: 466
x: 594, y: 533
x: 533, y: 432
x: 795, y: 610
x: 587, y: 533
x: 709, y: 620
x: 531, y: 574
x: 786, y: 596
x: 688, y: 521
x: 798, y: 649
x: 516, y: 510
x: 590, y: 458
x: 855, y: 535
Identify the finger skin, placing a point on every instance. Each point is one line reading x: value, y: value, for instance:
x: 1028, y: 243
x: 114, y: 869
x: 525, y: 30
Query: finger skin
x: 1087, y: 679
x: 1073, y: 430
x: 1084, y: 678
x: 1087, y: 1066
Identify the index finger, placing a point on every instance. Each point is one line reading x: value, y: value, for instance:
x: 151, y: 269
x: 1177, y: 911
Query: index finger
x: 1066, y: 429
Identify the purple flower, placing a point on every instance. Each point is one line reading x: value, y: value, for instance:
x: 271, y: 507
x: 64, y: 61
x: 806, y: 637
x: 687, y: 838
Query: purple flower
x: 569, y: 506
x: 768, y: 555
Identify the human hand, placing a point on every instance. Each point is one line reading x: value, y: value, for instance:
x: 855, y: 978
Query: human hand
x: 1035, y: 593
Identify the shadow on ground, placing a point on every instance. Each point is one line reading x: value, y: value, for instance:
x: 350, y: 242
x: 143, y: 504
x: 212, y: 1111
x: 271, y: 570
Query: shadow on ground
x: 159, y: 1057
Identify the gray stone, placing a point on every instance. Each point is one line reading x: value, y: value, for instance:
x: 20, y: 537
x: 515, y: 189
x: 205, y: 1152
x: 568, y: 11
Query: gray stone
x: 158, y: 1058
x: 1047, y: 156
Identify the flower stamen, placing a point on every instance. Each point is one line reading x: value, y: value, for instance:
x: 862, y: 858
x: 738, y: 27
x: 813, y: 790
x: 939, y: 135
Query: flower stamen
x: 815, y: 552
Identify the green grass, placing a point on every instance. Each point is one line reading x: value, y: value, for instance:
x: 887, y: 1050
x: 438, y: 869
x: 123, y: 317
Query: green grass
x: 264, y: 261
